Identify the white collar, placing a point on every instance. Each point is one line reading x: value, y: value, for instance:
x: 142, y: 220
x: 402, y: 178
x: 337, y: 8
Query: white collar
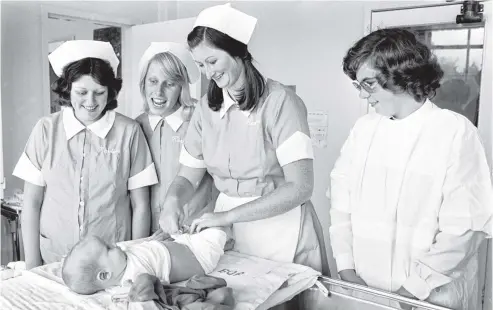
x: 101, y: 127
x: 174, y: 120
x: 416, y: 115
x: 228, y: 103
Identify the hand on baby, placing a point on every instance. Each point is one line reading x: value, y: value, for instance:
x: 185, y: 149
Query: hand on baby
x: 160, y: 235
x: 207, y: 220
x: 171, y: 218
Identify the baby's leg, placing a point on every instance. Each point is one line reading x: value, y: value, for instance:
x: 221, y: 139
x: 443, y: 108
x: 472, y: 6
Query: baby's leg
x: 207, y: 246
x: 230, y: 240
x: 184, y: 264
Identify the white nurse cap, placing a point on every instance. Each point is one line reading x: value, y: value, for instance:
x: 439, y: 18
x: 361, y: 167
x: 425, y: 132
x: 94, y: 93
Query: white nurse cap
x: 232, y: 22
x: 177, y: 49
x: 75, y: 50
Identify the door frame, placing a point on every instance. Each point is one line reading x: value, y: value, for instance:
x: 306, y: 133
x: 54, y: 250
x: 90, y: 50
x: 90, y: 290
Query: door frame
x: 48, y: 11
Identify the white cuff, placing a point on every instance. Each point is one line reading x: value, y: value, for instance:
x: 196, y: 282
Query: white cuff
x: 188, y: 160
x: 296, y: 147
x: 344, y: 261
x: 423, y: 279
x: 28, y: 172
x: 146, y: 177
x: 417, y: 287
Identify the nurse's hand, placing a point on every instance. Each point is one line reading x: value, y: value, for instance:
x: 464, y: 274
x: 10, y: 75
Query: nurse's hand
x: 160, y: 235
x: 146, y: 287
x: 171, y: 219
x: 207, y: 220
x: 349, y: 275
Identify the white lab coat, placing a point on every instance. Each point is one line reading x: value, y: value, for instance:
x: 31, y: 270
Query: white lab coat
x: 411, y: 201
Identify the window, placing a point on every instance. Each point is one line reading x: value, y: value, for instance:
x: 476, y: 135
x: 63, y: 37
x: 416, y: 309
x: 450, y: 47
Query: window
x: 459, y: 49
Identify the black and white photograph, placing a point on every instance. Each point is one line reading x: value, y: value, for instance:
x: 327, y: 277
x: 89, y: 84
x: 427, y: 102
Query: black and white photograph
x: 246, y: 155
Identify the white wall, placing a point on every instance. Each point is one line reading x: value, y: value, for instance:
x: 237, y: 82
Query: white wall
x: 300, y: 43
x: 22, y: 91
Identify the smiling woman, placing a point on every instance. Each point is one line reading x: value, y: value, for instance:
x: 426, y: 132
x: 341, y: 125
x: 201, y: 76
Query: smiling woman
x: 411, y: 189
x: 85, y: 163
x: 90, y: 87
x: 166, y: 71
x: 386, y: 81
x: 251, y: 134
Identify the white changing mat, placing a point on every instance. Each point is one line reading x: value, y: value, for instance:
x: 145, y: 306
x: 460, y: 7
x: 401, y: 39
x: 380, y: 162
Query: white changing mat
x: 42, y: 288
x: 256, y: 284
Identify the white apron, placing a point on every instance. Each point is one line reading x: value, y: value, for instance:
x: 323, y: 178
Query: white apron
x: 274, y: 238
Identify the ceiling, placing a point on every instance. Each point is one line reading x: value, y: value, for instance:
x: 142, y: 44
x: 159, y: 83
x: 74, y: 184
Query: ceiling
x: 135, y: 11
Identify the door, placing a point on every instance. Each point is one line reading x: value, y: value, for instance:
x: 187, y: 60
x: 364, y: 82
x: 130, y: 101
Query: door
x: 141, y: 38
x: 465, y: 53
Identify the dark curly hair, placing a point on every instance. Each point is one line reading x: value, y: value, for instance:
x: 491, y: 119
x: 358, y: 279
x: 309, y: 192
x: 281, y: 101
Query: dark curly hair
x: 255, y: 83
x: 100, y: 70
x: 404, y: 63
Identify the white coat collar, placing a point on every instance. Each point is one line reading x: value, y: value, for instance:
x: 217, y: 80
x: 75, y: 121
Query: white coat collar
x: 416, y: 116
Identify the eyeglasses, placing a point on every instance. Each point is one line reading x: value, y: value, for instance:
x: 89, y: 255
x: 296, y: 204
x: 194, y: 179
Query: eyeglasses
x: 369, y: 85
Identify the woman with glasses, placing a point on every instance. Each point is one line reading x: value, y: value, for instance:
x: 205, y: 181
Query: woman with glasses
x: 411, y: 193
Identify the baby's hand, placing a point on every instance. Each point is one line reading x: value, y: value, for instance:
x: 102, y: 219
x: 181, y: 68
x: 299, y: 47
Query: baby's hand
x: 143, y: 289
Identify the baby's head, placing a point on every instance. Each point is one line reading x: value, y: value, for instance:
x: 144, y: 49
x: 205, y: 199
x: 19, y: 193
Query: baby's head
x: 92, y: 265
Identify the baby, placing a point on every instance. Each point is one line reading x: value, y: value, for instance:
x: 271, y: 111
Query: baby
x: 92, y: 265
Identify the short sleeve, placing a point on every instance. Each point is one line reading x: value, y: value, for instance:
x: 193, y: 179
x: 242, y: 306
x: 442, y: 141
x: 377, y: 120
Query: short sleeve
x: 290, y: 132
x: 191, y: 153
x: 31, y: 161
x: 142, y: 170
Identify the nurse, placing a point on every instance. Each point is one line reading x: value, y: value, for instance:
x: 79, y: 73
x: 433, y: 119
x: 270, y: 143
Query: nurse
x: 411, y: 192
x: 87, y: 169
x: 166, y: 70
x: 251, y: 134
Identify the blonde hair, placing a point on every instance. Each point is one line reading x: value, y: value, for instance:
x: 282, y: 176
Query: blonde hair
x: 176, y: 72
